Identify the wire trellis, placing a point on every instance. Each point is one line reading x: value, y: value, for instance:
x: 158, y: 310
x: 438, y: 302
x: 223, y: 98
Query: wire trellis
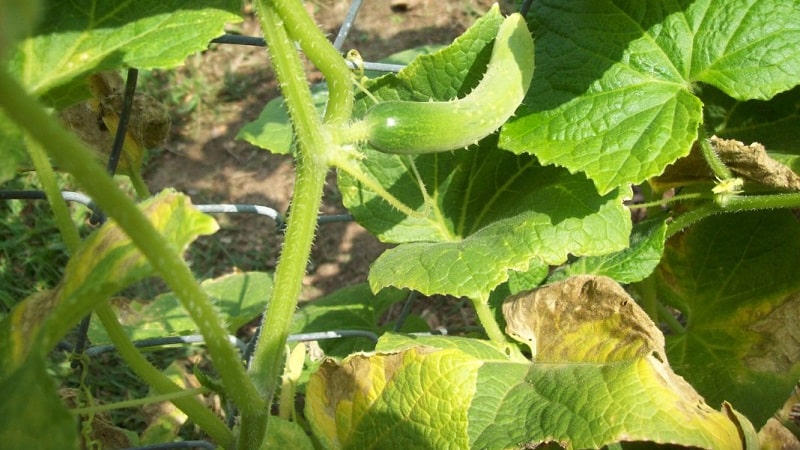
x: 97, y: 217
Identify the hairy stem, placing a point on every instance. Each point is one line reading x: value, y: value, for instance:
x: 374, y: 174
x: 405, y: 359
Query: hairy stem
x: 754, y: 202
x: 71, y: 155
x: 691, y: 217
x: 322, y: 53
x: 721, y: 171
x: 312, y: 165
x: 734, y: 203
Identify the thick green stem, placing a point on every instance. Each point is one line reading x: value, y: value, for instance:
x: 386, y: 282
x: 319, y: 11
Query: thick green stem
x: 734, y: 203
x: 312, y: 164
x: 754, y: 202
x: 289, y: 69
x: 60, y: 211
x: 322, y: 53
x: 268, y: 357
x: 71, y: 155
x: 193, y: 408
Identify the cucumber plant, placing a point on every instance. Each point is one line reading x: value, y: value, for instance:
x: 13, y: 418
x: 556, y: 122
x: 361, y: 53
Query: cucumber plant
x: 406, y: 127
x: 532, y: 227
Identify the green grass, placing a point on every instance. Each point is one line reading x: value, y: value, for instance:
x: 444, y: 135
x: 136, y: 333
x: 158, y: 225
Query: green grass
x: 32, y: 254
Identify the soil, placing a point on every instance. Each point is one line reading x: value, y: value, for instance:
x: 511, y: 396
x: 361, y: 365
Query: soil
x: 225, y: 87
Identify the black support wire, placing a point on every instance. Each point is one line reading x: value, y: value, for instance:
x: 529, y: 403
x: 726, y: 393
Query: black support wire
x: 124, y: 118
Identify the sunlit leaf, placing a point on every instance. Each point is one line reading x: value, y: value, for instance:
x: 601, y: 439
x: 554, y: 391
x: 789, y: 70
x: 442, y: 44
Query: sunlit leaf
x: 480, y: 213
x: 466, y: 237
x: 630, y: 265
x: 599, y: 388
x: 79, y: 38
x: 612, y: 92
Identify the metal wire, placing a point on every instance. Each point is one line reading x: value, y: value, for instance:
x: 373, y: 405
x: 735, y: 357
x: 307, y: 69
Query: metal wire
x: 222, y: 208
x: 344, y: 30
x: 242, y: 346
x: 124, y: 118
x: 160, y: 342
x: 525, y: 7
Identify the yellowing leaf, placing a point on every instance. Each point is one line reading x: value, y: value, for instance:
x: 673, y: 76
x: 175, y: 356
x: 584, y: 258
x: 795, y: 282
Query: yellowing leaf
x: 105, y: 263
x: 600, y: 377
x: 582, y: 319
x: 417, y: 398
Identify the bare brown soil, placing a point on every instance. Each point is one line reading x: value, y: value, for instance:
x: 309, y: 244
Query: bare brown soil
x: 226, y: 87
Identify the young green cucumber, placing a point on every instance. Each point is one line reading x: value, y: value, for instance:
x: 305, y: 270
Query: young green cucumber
x: 405, y: 127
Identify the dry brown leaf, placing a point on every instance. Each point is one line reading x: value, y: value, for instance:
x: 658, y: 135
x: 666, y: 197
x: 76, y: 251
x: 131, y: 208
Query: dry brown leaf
x: 750, y: 162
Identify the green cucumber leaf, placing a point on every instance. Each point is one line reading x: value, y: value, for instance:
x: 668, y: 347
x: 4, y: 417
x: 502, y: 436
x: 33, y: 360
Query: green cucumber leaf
x: 75, y: 39
x: 33, y: 414
x: 480, y: 214
x: 741, y: 342
x: 105, y: 263
x: 238, y: 298
x: 482, y: 399
x: 273, y: 129
x: 612, y: 95
x: 630, y: 265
